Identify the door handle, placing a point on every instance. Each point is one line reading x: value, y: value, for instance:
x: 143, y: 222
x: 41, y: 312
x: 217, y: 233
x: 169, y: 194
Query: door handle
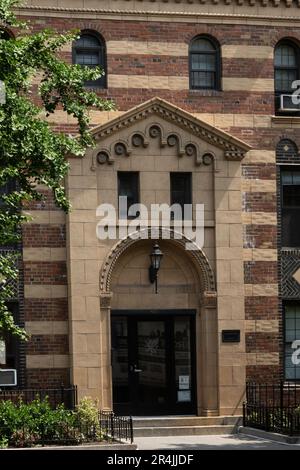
x: 134, y: 369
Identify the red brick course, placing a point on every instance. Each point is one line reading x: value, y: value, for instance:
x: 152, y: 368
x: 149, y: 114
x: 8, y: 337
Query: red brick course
x: 260, y: 236
x: 113, y: 29
x: 262, y: 373
x: 48, y: 344
x: 260, y: 202
x: 40, y: 272
x: 261, y: 308
x: 47, y: 378
x: 46, y: 309
x: 46, y: 203
x: 262, y: 171
x: 260, y: 272
x: 44, y: 235
x: 262, y: 342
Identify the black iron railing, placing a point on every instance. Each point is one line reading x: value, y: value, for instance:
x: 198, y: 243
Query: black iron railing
x: 116, y: 427
x: 56, y: 396
x: 273, y: 407
x: 64, y: 433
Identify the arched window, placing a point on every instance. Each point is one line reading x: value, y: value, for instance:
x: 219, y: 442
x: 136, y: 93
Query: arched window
x: 204, y: 64
x: 89, y: 51
x: 286, y: 67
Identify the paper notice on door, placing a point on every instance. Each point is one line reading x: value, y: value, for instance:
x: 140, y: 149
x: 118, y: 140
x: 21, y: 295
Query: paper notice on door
x: 183, y: 395
x: 184, y: 382
x: 2, y: 352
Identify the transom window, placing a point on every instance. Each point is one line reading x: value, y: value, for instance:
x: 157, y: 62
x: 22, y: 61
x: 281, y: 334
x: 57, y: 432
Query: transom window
x: 89, y: 51
x: 290, y: 208
x: 204, y: 64
x: 292, y: 336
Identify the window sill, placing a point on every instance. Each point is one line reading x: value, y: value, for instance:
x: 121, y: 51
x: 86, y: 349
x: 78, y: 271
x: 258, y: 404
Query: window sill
x: 286, y: 120
x: 205, y: 92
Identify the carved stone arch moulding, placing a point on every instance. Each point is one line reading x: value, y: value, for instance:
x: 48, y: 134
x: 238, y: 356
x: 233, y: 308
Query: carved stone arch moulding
x: 197, y: 256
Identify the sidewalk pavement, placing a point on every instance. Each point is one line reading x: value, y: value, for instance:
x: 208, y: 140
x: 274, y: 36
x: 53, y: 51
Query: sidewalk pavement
x: 220, y: 442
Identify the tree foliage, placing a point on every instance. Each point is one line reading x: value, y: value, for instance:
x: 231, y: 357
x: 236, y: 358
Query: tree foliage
x: 31, y: 153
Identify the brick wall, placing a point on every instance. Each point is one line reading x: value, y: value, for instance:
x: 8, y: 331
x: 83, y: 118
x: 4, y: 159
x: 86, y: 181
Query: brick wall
x: 236, y: 102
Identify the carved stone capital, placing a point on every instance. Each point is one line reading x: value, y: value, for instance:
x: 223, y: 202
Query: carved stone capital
x: 105, y: 299
x: 209, y: 299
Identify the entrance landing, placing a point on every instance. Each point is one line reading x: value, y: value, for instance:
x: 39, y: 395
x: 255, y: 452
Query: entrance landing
x: 184, y: 425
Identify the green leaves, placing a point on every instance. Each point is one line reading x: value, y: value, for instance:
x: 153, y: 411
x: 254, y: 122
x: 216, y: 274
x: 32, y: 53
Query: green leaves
x: 31, y: 153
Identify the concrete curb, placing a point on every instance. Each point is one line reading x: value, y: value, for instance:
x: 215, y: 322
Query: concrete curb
x: 111, y: 447
x: 270, y: 436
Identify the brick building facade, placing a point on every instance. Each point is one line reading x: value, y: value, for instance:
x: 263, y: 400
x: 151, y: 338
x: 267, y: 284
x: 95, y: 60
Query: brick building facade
x: 244, y: 278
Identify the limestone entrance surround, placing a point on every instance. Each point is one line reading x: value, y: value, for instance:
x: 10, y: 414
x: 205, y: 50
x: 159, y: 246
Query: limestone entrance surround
x: 155, y: 139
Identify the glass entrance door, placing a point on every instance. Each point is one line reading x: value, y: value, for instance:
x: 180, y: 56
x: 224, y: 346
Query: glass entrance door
x: 153, y: 363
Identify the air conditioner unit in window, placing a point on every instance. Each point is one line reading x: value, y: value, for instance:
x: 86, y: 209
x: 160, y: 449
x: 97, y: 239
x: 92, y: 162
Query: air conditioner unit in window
x: 287, y: 105
x: 8, y: 378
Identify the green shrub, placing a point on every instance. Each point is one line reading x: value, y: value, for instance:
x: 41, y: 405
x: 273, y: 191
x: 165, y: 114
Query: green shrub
x: 26, y: 425
x: 87, y: 417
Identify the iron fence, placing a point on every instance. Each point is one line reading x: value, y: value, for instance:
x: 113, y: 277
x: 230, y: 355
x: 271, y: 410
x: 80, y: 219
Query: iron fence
x: 63, y: 433
x: 273, y: 407
x: 56, y: 396
x: 116, y: 427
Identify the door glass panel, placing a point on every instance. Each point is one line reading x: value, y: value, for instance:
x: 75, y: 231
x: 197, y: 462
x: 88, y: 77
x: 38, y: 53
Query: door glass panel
x: 152, y: 363
x: 183, y: 366
x: 120, y: 360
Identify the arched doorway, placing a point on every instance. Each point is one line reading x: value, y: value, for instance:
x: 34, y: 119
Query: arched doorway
x: 157, y: 354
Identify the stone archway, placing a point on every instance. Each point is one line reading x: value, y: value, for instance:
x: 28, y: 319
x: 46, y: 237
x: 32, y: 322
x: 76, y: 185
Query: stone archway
x: 205, y: 306
x: 196, y: 255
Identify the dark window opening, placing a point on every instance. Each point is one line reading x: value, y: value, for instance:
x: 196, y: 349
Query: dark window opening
x: 181, y: 192
x: 10, y: 342
x: 89, y: 51
x: 292, y: 341
x: 290, y: 208
x: 286, y: 71
x: 5, y: 190
x: 128, y: 186
x: 204, y: 64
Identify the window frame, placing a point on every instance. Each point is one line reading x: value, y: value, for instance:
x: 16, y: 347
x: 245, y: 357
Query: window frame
x: 285, y: 304
x: 277, y: 92
x: 188, y: 176
x: 102, y: 55
x: 283, y: 207
x: 11, y: 343
x: 216, y: 53
x: 136, y: 174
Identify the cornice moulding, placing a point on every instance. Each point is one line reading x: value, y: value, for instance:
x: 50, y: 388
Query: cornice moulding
x: 262, y: 4
x: 233, y: 147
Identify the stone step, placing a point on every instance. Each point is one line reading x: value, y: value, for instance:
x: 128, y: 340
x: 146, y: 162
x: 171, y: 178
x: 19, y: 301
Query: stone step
x: 184, y: 430
x: 180, y: 421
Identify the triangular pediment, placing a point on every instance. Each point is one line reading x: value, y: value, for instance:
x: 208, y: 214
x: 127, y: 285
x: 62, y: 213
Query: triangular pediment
x: 234, y: 148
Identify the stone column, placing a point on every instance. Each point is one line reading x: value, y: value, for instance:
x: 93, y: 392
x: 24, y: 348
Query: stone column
x: 105, y: 347
x: 207, y: 351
